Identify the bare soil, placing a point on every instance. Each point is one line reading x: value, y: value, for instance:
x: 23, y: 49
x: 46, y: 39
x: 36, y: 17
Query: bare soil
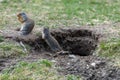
x: 82, y: 61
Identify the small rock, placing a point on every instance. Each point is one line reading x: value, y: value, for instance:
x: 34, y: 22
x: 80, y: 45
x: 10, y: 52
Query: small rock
x: 72, y: 56
x: 93, y: 64
x: 100, y: 62
x: 54, y: 61
x: 68, y: 63
x: 97, y: 63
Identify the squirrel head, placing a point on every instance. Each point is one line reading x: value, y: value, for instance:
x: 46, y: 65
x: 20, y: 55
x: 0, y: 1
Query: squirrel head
x: 22, y: 17
x: 45, y: 32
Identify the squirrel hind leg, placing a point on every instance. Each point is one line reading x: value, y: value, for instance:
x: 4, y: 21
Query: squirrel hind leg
x: 54, y: 50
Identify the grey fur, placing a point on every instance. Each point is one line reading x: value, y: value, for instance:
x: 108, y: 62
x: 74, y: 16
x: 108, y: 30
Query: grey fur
x: 50, y: 40
x: 27, y: 25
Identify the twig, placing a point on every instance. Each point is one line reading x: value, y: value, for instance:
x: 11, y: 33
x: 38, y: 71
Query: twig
x: 62, y: 52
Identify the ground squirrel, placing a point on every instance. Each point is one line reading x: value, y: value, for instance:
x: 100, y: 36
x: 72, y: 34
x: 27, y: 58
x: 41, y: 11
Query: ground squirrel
x: 27, y: 26
x: 52, y: 42
x: 27, y: 23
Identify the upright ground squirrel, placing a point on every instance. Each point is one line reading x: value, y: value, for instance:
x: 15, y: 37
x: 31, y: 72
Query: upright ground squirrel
x: 52, y: 42
x: 27, y: 23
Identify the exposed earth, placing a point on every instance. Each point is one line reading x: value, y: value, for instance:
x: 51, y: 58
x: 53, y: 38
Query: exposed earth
x: 82, y: 60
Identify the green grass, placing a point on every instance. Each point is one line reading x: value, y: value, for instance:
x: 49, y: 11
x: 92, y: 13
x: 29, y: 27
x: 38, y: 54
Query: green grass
x: 111, y: 49
x: 40, y: 70
x: 9, y: 49
x: 72, y: 77
x: 1, y: 38
x: 57, y: 13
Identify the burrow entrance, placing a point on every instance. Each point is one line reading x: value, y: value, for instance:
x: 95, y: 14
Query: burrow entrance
x: 81, y: 42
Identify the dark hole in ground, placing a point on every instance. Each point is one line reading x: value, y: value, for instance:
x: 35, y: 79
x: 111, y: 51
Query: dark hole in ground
x: 81, y: 42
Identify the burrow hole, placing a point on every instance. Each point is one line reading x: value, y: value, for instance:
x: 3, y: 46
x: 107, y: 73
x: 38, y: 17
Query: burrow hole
x: 81, y: 42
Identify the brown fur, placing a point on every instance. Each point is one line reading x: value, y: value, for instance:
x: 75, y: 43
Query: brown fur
x: 27, y: 23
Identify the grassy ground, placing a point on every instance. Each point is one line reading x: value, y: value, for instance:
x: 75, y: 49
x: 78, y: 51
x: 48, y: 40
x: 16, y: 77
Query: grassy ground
x: 111, y: 49
x: 40, y: 70
x: 53, y: 14
x: 56, y: 13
